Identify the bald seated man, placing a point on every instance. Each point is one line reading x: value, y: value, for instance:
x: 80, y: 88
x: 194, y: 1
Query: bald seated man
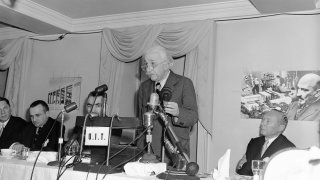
x: 272, y: 125
x: 307, y: 108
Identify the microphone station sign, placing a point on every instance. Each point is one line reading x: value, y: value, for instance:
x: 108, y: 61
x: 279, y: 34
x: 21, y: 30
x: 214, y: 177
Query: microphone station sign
x: 97, y: 136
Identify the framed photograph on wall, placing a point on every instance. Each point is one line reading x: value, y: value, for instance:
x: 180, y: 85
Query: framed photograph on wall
x: 63, y: 91
x: 296, y: 93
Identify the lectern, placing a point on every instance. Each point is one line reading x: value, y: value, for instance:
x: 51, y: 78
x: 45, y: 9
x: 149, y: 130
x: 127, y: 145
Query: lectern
x: 99, y: 154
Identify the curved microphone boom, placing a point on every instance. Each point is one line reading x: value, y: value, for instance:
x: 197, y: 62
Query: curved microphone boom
x: 192, y: 168
x: 89, y: 115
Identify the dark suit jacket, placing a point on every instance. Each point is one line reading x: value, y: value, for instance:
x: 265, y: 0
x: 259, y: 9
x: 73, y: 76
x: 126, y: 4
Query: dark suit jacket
x: 311, y: 113
x: 35, y: 141
x: 184, y: 95
x: 254, y: 151
x: 11, y: 132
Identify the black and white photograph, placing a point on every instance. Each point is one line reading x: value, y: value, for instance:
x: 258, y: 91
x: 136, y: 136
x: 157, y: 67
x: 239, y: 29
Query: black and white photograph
x: 296, y: 93
x: 189, y: 89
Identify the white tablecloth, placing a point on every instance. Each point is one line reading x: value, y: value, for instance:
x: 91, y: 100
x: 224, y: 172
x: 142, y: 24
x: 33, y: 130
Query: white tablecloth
x: 14, y: 169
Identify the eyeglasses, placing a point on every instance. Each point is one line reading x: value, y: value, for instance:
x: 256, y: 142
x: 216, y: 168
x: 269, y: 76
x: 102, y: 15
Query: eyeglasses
x: 145, y: 66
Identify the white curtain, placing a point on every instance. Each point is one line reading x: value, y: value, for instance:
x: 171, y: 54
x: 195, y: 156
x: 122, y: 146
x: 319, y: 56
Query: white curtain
x: 195, y: 39
x: 16, y: 55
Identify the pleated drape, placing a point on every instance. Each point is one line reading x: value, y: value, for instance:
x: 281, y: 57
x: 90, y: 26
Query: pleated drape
x: 16, y: 55
x: 195, y: 39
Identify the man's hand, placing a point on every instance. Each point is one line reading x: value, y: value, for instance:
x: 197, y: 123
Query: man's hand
x: 241, y: 162
x: 17, y: 147
x: 171, y: 108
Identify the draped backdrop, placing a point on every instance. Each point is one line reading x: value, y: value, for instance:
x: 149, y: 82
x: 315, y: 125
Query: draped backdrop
x: 194, y: 39
x: 16, y: 55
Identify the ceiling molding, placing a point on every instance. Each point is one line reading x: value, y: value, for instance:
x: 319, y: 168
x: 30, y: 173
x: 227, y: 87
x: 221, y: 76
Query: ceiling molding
x: 169, y: 15
x: 12, y: 33
x: 42, y: 13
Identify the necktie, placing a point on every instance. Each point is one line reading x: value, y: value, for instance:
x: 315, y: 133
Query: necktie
x: 1, y: 128
x: 38, y: 130
x: 158, y: 87
x: 264, y: 147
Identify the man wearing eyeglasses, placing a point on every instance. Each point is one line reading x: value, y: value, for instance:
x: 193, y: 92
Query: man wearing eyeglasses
x: 181, y: 109
x: 272, y: 125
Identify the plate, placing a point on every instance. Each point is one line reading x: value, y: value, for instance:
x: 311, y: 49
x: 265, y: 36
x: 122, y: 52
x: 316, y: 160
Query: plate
x: 6, y: 157
x: 176, y: 172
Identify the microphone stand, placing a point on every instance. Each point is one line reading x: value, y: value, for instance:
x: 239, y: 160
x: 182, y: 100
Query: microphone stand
x: 109, y: 139
x: 82, y: 135
x: 60, y: 141
x: 172, y: 135
x: 148, y: 157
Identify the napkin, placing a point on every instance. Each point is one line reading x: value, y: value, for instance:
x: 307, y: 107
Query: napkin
x: 144, y: 169
x: 223, y: 167
x: 45, y: 156
x: 314, y: 152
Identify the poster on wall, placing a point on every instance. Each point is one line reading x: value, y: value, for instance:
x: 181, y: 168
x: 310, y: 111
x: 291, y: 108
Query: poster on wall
x: 63, y: 91
x: 296, y: 93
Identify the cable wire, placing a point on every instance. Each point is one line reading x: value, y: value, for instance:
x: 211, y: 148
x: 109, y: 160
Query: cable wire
x: 138, y: 137
x: 35, y: 162
x: 123, y: 162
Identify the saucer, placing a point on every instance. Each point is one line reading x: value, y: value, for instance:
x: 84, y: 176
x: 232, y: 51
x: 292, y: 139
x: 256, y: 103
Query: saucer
x: 6, y: 157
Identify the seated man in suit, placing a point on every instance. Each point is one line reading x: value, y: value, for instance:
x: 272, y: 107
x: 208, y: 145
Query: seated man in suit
x: 94, y: 106
x: 10, y: 126
x: 272, y: 125
x: 43, y: 133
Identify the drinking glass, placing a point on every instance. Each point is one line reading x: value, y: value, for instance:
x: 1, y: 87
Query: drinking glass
x: 25, y: 152
x: 70, y: 153
x: 257, y: 166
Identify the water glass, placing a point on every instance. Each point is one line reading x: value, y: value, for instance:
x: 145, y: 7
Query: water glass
x: 257, y: 167
x: 25, y: 152
x: 71, y: 150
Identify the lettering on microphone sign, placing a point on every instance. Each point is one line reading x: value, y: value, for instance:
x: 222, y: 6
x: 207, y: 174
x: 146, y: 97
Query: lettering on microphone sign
x: 97, y: 136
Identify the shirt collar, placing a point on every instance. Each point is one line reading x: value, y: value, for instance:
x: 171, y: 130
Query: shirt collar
x: 271, y: 140
x: 164, y: 80
x: 5, y: 123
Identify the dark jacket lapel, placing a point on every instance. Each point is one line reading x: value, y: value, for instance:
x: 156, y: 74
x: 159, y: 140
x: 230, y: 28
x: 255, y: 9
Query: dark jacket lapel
x: 171, y: 81
x: 273, y: 147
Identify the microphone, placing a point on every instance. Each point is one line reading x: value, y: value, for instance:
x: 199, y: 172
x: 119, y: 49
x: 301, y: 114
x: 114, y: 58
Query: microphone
x: 70, y: 107
x: 101, y: 88
x: 67, y: 108
x: 166, y: 94
x: 148, y: 119
x: 154, y: 101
